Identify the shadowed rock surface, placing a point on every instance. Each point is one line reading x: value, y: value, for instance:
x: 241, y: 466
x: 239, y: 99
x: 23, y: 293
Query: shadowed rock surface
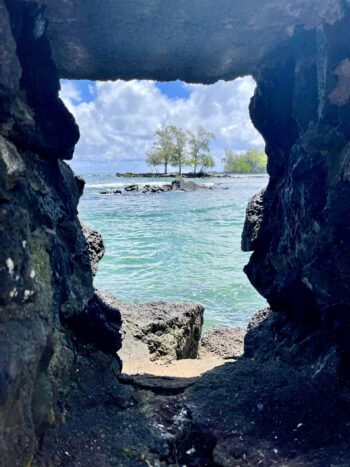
x: 248, y: 413
x: 254, y: 216
x: 95, y: 246
x: 58, y: 387
x: 87, y: 44
x: 301, y: 258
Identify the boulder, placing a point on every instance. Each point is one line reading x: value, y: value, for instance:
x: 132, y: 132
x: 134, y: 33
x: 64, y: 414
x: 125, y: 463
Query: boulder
x: 176, y: 185
x: 95, y: 246
x: 162, y: 331
x: 111, y: 192
x: 131, y: 188
x: 225, y: 343
x: 254, y: 215
x: 181, y: 185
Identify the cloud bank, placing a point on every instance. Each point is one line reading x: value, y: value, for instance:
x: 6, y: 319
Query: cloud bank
x: 118, y: 119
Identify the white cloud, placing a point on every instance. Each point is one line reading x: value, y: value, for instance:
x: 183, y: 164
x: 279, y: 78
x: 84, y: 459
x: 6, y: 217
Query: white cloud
x: 117, y: 126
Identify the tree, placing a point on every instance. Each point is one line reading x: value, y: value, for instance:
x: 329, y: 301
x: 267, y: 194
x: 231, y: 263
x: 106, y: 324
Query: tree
x: 208, y: 162
x: 200, y: 150
x: 178, y: 150
x: 257, y: 160
x: 164, y: 145
x: 252, y: 161
x: 154, y: 158
x: 234, y: 163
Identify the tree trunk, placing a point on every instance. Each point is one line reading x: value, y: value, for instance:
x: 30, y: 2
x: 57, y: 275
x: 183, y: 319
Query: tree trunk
x: 180, y: 170
x: 165, y: 168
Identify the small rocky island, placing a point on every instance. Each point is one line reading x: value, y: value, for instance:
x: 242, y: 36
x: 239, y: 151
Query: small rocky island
x: 176, y: 185
x: 164, y: 175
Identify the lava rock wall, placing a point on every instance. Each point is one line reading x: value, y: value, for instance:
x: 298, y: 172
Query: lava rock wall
x: 301, y: 253
x: 45, y: 271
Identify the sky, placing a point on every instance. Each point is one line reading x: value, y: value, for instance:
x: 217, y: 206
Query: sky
x: 118, y: 119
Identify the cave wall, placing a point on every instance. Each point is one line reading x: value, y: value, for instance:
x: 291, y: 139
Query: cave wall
x: 301, y: 255
x: 196, y: 41
x: 49, y: 316
x: 45, y: 272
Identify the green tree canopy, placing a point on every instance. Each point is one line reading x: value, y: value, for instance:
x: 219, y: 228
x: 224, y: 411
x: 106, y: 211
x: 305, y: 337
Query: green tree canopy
x: 199, y: 145
x: 253, y: 161
x: 176, y: 147
x: 163, y: 146
x: 154, y: 158
x: 208, y: 162
x: 179, y: 141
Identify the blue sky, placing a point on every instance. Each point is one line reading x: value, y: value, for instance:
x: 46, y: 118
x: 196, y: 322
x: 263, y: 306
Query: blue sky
x: 87, y: 90
x: 118, y: 119
x: 174, y: 89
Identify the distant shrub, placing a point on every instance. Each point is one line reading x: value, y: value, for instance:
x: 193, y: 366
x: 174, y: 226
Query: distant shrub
x: 253, y: 161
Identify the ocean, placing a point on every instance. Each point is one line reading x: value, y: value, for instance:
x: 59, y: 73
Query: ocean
x: 176, y: 246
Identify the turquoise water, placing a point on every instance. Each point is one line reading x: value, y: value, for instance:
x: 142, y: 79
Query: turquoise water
x: 176, y: 246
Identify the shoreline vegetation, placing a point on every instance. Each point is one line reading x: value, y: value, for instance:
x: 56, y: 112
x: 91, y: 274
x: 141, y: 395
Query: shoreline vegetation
x: 177, y: 148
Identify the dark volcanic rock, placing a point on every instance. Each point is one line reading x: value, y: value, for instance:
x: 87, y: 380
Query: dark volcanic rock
x: 301, y: 257
x: 100, y: 323
x: 95, y: 246
x: 177, y: 185
x: 181, y: 185
x: 304, y: 347
x: 159, y: 330
x: 103, y: 422
x: 112, y: 192
x: 132, y: 188
x: 45, y: 273
x: 254, y: 215
x: 39, y: 120
x: 10, y: 68
x: 233, y: 43
x: 45, y: 277
x: 155, y: 188
x: 252, y: 413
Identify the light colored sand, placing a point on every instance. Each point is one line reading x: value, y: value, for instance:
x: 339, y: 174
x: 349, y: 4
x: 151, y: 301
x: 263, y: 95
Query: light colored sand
x: 178, y: 368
